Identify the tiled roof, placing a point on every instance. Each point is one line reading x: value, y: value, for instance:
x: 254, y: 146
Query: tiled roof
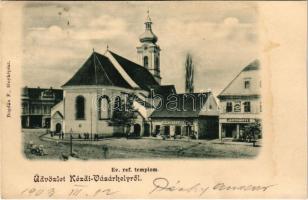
x: 183, y: 106
x: 97, y: 70
x: 100, y: 70
x: 137, y: 73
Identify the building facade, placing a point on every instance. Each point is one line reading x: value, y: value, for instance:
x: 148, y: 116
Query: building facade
x: 240, y: 102
x: 36, y: 106
x: 190, y: 114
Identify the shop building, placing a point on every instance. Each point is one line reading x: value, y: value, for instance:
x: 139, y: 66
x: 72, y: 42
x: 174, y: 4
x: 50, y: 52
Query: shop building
x: 240, y: 102
x: 186, y: 115
x: 36, y: 104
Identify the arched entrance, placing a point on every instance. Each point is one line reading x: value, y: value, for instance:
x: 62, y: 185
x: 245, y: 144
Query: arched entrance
x: 137, y: 130
x: 146, y: 130
x: 58, y: 128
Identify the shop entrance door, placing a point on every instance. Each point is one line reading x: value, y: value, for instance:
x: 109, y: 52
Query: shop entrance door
x: 230, y: 130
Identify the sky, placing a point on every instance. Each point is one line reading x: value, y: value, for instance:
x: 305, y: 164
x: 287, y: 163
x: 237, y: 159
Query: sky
x: 222, y: 38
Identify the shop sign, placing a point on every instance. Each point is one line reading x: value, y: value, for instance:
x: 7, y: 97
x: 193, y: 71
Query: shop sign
x: 238, y: 120
x: 167, y: 122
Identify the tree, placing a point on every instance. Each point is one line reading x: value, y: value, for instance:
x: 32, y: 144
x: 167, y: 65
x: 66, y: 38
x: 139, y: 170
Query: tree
x: 252, y: 132
x: 189, y: 76
x: 124, y: 113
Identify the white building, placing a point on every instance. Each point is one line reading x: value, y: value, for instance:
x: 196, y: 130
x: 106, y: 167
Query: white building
x: 240, y: 102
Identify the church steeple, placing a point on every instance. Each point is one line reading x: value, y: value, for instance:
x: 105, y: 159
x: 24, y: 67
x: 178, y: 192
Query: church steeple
x: 148, y: 35
x: 149, y: 51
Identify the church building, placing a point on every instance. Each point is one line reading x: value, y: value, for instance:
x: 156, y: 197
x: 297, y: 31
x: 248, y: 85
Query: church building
x: 103, y: 82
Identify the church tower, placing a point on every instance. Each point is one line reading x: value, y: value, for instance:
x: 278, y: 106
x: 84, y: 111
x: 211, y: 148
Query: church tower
x: 149, y: 51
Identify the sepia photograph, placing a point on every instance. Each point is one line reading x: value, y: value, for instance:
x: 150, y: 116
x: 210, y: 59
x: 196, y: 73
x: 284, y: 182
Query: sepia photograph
x: 155, y: 80
x: 153, y: 99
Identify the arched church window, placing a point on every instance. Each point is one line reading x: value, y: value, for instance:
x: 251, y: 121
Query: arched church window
x: 145, y: 61
x: 104, y: 107
x: 80, y: 107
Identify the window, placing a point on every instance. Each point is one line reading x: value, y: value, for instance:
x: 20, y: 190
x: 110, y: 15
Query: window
x: 210, y: 107
x: 229, y: 107
x: 178, y: 130
x: 247, y: 106
x: 247, y: 84
x: 237, y: 107
x: 145, y: 61
x: 80, y: 107
x: 24, y: 108
x: 117, y: 104
x: 157, y: 63
x: 104, y: 107
x: 157, y: 129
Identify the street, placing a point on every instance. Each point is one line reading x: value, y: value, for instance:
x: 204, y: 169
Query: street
x: 143, y: 148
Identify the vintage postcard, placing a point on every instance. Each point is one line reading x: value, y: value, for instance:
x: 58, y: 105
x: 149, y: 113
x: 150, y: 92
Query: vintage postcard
x: 164, y: 99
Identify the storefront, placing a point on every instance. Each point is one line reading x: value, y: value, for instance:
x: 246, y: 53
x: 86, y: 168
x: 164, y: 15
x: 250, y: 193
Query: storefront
x: 234, y: 127
x: 174, y: 127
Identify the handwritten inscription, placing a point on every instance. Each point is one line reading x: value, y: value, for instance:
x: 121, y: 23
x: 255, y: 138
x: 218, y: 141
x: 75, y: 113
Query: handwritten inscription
x: 74, y: 192
x: 163, y: 184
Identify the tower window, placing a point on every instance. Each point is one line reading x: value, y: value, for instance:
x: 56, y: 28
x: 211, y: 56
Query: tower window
x: 145, y: 61
x: 157, y: 63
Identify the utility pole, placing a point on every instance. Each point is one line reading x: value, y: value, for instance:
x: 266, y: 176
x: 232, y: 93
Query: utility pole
x: 71, y: 143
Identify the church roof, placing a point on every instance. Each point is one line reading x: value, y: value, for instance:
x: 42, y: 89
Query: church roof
x: 187, y: 105
x: 97, y: 70
x: 100, y: 70
x: 148, y: 36
x: 138, y: 73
